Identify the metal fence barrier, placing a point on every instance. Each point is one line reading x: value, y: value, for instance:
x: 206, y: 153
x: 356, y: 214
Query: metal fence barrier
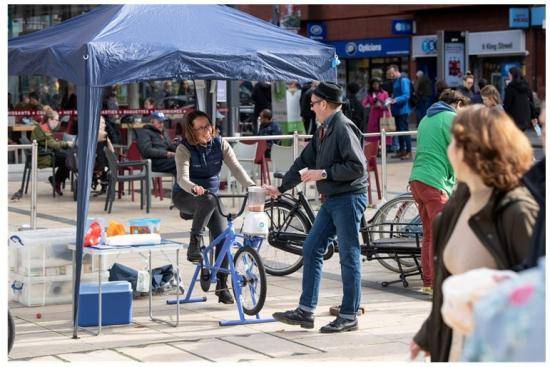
x: 34, y: 155
x: 295, y: 139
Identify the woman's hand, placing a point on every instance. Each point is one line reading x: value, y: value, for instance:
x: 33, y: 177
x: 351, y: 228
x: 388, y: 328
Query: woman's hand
x: 198, y: 190
x: 415, y: 349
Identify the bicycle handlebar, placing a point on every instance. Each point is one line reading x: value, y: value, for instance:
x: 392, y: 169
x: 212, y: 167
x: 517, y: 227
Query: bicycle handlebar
x: 229, y: 216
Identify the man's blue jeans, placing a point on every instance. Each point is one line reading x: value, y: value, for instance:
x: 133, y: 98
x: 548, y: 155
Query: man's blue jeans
x: 341, y: 216
x: 402, y: 124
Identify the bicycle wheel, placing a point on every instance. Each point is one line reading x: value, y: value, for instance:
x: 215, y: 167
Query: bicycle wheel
x: 11, y: 332
x: 251, y: 280
x: 402, y: 210
x: 277, y: 261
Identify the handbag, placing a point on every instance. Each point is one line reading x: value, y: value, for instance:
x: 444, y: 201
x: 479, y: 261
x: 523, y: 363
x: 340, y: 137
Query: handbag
x: 387, y: 121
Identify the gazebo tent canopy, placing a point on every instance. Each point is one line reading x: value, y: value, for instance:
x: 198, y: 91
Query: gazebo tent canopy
x: 126, y: 43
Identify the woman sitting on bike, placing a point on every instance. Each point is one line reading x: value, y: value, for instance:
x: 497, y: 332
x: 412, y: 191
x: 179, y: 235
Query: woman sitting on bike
x: 199, y: 159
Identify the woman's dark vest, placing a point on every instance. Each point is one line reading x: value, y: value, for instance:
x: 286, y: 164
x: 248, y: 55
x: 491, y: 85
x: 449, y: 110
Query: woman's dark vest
x: 205, y: 164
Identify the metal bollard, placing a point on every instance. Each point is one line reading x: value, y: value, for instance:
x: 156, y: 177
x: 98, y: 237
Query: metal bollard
x: 34, y: 169
x: 384, y: 167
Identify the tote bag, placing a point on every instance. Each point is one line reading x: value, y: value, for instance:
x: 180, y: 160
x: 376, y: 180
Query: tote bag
x: 387, y: 121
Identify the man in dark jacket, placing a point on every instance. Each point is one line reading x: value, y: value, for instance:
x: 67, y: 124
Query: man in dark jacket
x: 334, y: 159
x: 356, y: 111
x: 153, y: 145
x: 467, y: 87
x: 269, y: 127
x: 261, y: 96
x: 518, y: 101
x: 308, y: 116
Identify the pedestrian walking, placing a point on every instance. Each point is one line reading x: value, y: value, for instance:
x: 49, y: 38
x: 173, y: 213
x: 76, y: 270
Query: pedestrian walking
x: 488, y: 220
x: 424, y: 92
x: 432, y: 177
x: 518, y: 101
x: 375, y: 101
x: 334, y: 159
x: 401, y: 110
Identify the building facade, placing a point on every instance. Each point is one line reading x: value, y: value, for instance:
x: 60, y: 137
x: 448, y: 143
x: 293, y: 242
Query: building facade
x: 368, y: 38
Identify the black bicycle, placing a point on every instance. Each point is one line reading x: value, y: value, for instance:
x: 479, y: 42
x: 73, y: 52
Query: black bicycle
x: 392, y: 236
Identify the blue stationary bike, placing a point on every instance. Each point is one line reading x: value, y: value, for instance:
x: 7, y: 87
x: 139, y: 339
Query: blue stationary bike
x: 245, y: 267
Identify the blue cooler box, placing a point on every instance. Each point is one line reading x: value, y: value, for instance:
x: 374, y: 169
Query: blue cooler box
x: 116, y: 298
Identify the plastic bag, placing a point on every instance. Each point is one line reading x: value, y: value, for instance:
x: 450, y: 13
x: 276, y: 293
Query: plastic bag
x: 460, y: 292
x: 115, y: 229
x: 95, y: 233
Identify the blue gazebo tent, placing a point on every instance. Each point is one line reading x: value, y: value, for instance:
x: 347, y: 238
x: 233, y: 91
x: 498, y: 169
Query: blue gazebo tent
x: 115, y: 44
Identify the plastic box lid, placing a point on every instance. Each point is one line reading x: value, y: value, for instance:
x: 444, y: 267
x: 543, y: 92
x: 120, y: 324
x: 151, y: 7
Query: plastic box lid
x: 121, y: 286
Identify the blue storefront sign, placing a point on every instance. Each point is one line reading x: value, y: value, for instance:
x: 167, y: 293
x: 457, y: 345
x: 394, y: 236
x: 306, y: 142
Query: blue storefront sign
x: 375, y: 47
x: 317, y: 31
x: 519, y: 17
x: 538, y: 14
x: 402, y: 26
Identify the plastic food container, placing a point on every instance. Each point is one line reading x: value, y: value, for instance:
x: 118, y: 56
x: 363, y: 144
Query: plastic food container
x: 144, y: 225
x: 256, y: 199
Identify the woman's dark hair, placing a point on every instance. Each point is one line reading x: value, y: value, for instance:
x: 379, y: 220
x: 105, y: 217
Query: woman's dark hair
x: 371, y: 83
x: 189, y: 131
x: 481, y: 83
x: 516, y: 74
x: 450, y: 97
x: 440, y: 86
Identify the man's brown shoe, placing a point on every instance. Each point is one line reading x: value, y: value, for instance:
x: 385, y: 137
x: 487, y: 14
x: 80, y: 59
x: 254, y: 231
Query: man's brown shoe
x: 406, y: 156
x: 398, y: 155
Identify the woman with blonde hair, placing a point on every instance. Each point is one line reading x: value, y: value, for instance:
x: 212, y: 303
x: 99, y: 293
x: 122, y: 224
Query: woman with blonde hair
x: 489, y: 219
x: 491, y: 97
x: 43, y: 135
x: 199, y: 159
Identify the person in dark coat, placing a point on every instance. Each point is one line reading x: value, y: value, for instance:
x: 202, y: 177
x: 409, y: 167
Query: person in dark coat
x: 355, y: 111
x: 261, y: 96
x: 308, y: 116
x: 518, y: 101
x: 153, y: 145
x: 269, y: 127
x: 487, y: 222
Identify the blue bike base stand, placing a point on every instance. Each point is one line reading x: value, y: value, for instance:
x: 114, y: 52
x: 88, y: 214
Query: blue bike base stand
x: 242, y: 319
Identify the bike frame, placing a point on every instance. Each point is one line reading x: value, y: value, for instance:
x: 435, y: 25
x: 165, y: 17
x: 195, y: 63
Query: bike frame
x: 229, y: 239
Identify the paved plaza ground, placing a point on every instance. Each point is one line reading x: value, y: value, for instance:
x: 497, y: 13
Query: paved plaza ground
x: 393, y: 314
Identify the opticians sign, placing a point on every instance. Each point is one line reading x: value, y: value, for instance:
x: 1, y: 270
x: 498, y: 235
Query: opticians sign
x: 402, y: 26
x: 519, y: 17
x: 366, y: 48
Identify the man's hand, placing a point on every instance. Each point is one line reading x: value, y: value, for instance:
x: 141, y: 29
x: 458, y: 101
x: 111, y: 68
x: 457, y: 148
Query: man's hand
x: 415, y: 349
x: 70, y: 143
x: 312, y: 175
x: 170, y: 154
x: 199, y: 190
x: 272, y: 191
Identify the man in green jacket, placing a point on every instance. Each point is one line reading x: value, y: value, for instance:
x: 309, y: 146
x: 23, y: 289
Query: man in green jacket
x: 432, y: 177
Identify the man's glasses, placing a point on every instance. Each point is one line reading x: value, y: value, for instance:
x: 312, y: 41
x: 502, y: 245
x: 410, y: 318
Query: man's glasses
x: 313, y: 103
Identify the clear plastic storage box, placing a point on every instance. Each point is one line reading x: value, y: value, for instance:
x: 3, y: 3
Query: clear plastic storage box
x: 40, y: 291
x: 45, y: 253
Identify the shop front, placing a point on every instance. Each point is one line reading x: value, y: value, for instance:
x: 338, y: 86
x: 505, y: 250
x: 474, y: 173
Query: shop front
x: 492, y: 54
x: 364, y: 59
